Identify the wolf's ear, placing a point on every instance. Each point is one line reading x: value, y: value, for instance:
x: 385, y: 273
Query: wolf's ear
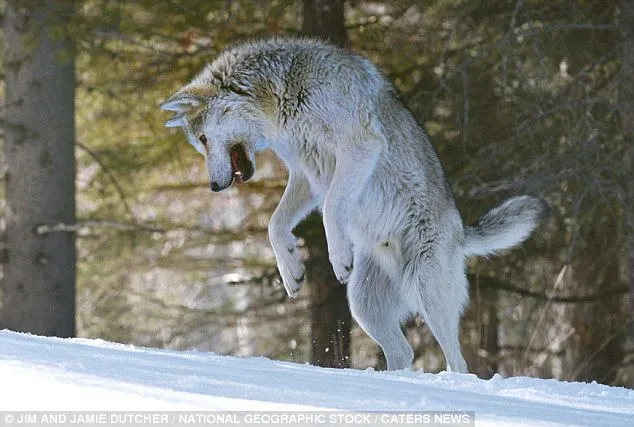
x: 182, y: 102
x: 175, y: 122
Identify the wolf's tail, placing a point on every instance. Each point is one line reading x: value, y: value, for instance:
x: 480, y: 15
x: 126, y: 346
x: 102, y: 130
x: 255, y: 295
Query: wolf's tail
x: 505, y: 226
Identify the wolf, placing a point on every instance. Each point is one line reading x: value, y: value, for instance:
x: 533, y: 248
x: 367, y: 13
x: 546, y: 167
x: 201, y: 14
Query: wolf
x: 355, y: 153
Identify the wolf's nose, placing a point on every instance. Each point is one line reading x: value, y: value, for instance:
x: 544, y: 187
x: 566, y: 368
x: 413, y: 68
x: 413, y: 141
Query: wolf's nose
x: 215, y: 187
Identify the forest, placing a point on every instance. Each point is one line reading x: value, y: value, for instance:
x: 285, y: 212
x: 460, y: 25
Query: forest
x: 110, y: 229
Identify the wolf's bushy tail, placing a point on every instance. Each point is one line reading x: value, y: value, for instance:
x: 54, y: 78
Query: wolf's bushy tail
x: 504, y: 226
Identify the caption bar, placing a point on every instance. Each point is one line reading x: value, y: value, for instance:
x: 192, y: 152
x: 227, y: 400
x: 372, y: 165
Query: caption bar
x: 251, y: 418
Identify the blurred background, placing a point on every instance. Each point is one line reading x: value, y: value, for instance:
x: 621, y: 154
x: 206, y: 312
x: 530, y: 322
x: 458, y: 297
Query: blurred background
x: 518, y: 96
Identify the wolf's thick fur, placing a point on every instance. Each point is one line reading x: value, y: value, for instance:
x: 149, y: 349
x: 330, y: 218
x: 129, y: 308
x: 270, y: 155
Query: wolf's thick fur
x: 356, y: 153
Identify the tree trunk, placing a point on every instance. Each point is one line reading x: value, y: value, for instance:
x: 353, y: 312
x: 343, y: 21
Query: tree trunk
x: 330, y: 314
x: 626, y: 108
x: 331, y: 319
x: 325, y: 19
x: 38, y: 284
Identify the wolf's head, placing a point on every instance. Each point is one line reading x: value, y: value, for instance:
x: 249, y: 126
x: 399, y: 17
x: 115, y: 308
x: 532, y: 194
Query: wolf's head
x: 221, y: 118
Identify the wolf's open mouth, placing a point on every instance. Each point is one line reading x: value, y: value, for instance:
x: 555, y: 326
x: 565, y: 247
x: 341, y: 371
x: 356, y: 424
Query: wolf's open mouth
x: 241, y: 166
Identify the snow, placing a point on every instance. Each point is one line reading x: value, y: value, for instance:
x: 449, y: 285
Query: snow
x: 41, y: 373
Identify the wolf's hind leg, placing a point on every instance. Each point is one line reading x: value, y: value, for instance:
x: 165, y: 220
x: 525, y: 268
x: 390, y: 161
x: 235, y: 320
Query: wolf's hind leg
x: 443, y: 304
x: 379, y: 309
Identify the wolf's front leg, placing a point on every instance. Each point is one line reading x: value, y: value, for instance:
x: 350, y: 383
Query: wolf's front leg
x: 297, y: 202
x: 355, y: 164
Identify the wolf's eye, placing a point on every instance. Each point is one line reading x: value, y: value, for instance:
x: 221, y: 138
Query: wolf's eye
x: 203, y: 139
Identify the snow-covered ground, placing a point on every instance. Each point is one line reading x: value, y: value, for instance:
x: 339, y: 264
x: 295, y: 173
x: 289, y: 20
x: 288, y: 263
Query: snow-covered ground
x: 38, y: 373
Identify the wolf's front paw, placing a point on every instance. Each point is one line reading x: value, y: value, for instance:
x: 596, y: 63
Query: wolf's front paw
x: 341, y: 259
x: 292, y: 269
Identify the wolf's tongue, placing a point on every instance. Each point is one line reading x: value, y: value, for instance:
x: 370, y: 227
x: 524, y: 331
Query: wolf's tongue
x: 235, y: 159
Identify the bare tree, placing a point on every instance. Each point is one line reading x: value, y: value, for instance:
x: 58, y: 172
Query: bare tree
x: 626, y: 107
x: 325, y: 19
x: 38, y: 284
x: 331, y: 319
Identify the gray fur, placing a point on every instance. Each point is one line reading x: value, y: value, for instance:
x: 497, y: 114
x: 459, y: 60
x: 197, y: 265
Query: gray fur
x: 505, y: 226
x: 354, y: 152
